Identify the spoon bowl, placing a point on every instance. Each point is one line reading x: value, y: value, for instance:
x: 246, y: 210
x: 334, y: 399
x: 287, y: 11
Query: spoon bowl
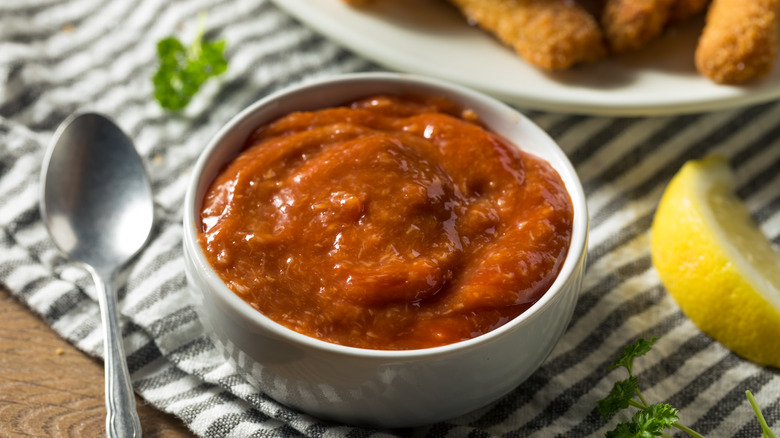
x: 96, y: 194
x: 97, y: 204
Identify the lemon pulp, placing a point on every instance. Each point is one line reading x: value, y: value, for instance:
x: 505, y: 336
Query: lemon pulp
x: 716, y: 263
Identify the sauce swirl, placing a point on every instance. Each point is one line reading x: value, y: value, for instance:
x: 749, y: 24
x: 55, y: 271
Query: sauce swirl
x: 388, y: 223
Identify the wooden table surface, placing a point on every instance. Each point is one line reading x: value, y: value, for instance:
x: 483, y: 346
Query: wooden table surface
x: 48, y: 388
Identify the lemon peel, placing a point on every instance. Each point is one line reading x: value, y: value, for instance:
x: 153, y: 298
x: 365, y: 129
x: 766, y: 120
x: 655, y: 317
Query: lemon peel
x: 716, y: 263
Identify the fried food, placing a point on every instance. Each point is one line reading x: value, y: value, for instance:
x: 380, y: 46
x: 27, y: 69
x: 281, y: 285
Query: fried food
x: 739, y: 40
x: 551, y: 34
x: 630, y: 24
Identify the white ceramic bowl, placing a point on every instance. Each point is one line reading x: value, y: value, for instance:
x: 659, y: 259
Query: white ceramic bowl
x: 373, y: 387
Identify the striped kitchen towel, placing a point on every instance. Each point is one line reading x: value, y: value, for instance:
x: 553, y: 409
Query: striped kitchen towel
x: 57, y: 57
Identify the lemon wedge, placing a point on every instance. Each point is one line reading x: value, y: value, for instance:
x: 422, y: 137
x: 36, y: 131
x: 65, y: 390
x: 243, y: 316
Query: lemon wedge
x: 716, y: 263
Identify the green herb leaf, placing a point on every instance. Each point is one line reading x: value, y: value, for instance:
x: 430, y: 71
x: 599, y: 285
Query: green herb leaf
x: 652, y: 420
x: 646, y: 423
x: 621, y: 394
x: 631, y: 352
x: 623, y: 430
x: 183, y: 69
x: 649, y: 421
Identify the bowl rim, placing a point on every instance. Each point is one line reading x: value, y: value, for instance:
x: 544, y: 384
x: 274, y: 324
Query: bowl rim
x: 574, y: 261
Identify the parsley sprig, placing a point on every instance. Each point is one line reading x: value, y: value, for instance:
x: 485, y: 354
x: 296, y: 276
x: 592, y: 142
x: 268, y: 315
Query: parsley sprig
x: 183, y: 69
x: 650, y: 420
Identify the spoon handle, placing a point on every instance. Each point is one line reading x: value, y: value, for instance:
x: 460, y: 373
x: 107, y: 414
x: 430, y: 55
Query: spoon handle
x: 122, y: 418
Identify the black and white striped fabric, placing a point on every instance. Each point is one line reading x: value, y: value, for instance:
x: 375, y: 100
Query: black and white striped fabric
x: 57, y: 57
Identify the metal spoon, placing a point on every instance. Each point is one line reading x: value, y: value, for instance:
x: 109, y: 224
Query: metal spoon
x: 97, y: 203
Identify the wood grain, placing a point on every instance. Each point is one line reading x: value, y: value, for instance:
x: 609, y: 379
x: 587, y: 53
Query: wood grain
x: 50, y: 389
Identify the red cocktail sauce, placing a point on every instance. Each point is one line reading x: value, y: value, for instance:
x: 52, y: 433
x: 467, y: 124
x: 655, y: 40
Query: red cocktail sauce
x: 388, y: 223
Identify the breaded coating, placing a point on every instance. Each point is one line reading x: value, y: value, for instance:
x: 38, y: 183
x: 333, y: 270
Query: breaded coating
x: 551, y: 34
x: 682, y: 10
x: 630, y: 24
x: 739, y: 40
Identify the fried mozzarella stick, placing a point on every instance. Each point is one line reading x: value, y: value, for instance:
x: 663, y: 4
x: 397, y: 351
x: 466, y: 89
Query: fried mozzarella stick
x: 739, y: 40
x: 551, y: 34
x: 630, y: 24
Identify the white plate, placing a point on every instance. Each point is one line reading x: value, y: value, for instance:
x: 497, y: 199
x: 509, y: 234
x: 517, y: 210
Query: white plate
x: 430, y: 37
